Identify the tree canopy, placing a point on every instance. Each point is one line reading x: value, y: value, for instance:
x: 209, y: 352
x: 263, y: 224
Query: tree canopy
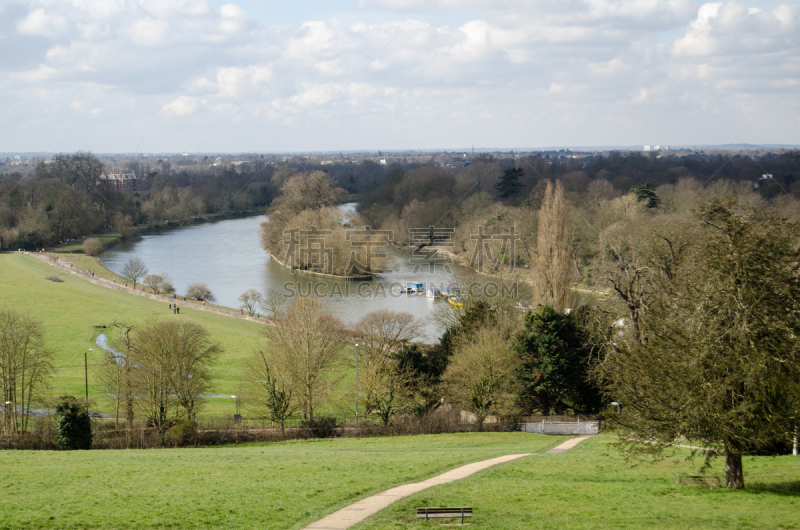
x: 718, y: 361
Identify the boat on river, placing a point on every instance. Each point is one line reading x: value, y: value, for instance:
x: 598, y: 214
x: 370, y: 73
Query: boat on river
x: 411, y: 287
x: 433, y: 292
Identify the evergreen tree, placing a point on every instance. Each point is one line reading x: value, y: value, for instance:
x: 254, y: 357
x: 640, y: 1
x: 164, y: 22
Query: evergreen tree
x: 720, y: 363
x: 645, y: 193
x: 73, y: 427
x: 509, y: 184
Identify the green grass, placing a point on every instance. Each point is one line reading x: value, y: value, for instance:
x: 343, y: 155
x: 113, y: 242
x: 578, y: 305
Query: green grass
x: 108, y: 239
x: 73, y: 313
x: 278, y: 485
x: 591, y: 486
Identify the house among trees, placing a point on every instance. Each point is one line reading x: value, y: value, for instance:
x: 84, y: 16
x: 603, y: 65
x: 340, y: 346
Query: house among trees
x: 119, y: 181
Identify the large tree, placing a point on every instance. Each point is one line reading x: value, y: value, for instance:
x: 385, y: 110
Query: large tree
x: 134, y: 269
x: 25, y: 368
x: 303, y: 349
x: 384, y: 377
x: 720, y: 362
x: 556, y: 351
x: 480, y: 376
x: 170, y: 369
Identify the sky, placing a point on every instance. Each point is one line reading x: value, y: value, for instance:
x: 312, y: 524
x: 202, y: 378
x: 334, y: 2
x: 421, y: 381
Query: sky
x: 139, y: 76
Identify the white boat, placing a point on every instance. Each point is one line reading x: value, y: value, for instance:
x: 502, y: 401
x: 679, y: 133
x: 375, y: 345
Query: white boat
x: 433, y: 293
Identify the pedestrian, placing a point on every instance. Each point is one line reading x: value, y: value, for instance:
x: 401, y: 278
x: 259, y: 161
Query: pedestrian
x: 175, y: 310
x: 170, y: 305
x: 115, y: 280
x: 204, y: 303
x: 179, y: 310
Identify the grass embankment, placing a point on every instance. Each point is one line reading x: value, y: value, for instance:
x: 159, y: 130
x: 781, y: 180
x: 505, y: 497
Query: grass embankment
x: 278, y: 485
x: 73, y: 313
x: 591, y: 486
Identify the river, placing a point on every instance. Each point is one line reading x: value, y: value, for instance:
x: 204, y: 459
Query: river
x: 228, y: 257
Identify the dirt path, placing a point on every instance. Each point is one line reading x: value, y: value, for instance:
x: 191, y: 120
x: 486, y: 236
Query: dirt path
x: 357, y: 512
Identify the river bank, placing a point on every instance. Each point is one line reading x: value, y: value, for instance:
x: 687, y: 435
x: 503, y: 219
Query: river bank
x: 109, y: 238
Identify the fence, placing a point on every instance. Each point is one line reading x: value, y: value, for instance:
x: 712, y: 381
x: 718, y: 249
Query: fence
x: 576, y: 428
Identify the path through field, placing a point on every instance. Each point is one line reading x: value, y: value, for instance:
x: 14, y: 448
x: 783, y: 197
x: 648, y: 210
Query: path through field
x: 357, y: 512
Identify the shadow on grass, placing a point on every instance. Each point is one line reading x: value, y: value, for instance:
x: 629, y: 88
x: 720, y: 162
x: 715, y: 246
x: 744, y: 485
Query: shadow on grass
x: 786, y: 489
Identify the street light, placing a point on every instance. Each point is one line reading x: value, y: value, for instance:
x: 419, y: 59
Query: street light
x: 237, y: 418
x: 86, y: 373
x: 356, y: 386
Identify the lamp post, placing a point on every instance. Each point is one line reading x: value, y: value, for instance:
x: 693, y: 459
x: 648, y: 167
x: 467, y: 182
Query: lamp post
x: 356, y: 386
x: 237, y: 418
x: 86, y: 374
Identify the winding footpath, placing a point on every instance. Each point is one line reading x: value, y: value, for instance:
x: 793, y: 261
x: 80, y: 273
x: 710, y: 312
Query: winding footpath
x: 358, y: 511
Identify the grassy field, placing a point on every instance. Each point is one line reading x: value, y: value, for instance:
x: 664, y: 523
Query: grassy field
x: 591, y: 486
x: 107, y: 239
x: 291, y: 484
x: 73, y: 313
x: 278, y: 485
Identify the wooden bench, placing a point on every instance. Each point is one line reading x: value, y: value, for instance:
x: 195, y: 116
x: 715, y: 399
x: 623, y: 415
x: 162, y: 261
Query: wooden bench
x: 711, y: 481
x: 444, y: 513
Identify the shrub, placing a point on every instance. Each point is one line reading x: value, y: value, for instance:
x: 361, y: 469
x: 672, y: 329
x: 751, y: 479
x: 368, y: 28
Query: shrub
x: 167, y: 287
x: 73, y: 427
x: 199, y: 291
x: 322, y: 427
x: 92, y: 247
x: 182, y: 433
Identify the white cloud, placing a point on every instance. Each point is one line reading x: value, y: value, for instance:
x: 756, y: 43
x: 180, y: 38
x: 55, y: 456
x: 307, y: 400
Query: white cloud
x: 498, y: 67
x: 39, y: 22
x: 180, y: 106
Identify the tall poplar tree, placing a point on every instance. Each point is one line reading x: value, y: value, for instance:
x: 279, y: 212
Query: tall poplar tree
x: 553, y: 267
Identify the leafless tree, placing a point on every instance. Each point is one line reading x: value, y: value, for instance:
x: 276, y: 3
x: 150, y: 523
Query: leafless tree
x: 266, y: 393
x: 111, y: 372
x: 170, y: 363
x: 25, y: 367
x: 200, y: 291
x: 304, y: 348
x: 249, y: 300
x: 382, y: 335
x: 153, y: 281
x: 134, y: 269
x: 272, y: 300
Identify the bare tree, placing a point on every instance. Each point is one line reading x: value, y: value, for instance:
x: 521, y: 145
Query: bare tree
x: 122, y: 345
x: 250, y: 300
x: 266, y: 393
x: 153, y: 281
x: 194, y: 352
x: 382, y: 335
x: 480, y: 374
x: 272, y: 301
x: 552, y: 269
x: 25, y: 367
x: 304, y: 348
x: 200, y: 291
x: 111, y: 372
x: 134, y: 269
x: 170, y: 363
